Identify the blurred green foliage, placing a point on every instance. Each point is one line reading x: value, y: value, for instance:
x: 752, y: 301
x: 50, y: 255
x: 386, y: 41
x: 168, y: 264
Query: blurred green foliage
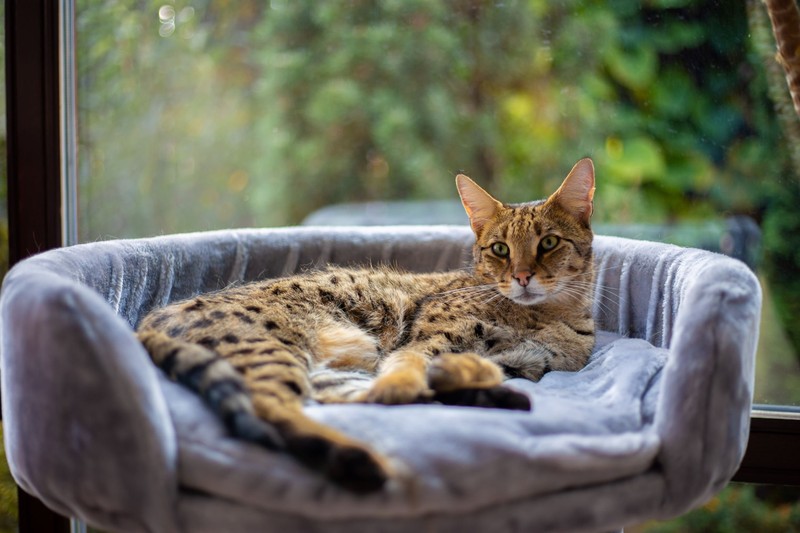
x: 781, y: 231
x: 8, y: 494
x: 208, y: 114
x: 739, y: 508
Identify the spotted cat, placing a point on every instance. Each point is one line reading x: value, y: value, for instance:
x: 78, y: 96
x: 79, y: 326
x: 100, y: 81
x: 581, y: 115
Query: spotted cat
x: 256, y: 352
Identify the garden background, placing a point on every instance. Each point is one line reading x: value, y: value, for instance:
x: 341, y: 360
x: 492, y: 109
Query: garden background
x: 205, y: 114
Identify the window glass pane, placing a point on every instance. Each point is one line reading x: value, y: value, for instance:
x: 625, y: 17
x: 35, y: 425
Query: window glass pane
x: 206, y: 114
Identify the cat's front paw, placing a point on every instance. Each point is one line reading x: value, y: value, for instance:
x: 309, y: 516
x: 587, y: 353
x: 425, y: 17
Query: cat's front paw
x: 399, y: 389
x: 495, y: 397
x: 453, y: 371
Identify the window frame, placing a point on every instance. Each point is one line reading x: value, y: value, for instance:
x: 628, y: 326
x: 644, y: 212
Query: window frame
x: 33, y: 166
x: 38, y: 196
x: 769, y: 458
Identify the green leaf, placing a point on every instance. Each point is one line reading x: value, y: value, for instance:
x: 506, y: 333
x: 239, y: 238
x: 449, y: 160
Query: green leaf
x: 672, y: 94
x: 334, y: 101
x: 635, y: 68
x: 633, y: 161
x: 673, y: 37
x: 689, y: 171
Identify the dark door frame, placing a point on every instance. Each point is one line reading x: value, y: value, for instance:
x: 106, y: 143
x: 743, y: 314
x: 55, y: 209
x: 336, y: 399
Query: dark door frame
x: 33, y: 164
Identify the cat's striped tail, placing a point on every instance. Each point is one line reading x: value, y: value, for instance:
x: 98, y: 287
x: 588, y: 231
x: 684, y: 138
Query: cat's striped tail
x: 261, y: 412
x: 216, y: 381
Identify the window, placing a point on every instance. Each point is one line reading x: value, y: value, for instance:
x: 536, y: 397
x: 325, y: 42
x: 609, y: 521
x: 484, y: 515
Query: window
x: 256, y: 114
x: 197, y: 115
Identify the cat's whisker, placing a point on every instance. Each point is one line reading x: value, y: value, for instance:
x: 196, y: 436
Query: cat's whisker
x: 587, y: 290
x: 598, y: 303
x: 470, y: 288
x: 477, y: 294
x: 495, y: 299
x: 585, y: 284
x: 595, y: 271
x: 576, y: 289
x: 607, y: 292
x: 600, y: 293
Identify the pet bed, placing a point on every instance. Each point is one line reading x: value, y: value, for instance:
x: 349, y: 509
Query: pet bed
x: 655, y: 424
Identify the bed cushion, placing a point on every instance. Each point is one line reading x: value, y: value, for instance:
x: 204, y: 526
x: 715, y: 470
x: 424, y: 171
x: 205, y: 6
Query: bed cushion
x: 586, y: 427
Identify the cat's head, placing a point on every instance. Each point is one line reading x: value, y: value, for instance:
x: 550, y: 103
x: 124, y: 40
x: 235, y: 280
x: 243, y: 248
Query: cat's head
x: 537, y: 251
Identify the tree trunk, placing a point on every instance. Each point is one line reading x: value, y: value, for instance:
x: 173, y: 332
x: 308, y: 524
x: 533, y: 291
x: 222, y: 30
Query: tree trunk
x: 785, y: 18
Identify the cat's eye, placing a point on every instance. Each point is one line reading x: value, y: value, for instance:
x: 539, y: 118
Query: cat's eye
x: 549, y: 242
x: 500, y: 249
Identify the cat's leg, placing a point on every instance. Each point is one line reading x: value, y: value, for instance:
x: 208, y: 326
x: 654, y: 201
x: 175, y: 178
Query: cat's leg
x: 343, y: 460
x: 331, y: 385
x: 215, y: 380
x: 277, y: 376
x: 402, y: 378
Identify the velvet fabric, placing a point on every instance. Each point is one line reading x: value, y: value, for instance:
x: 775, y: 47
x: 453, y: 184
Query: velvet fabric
x: 655, y: 424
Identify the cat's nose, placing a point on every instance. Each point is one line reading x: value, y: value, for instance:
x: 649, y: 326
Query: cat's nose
x: 523, y: 277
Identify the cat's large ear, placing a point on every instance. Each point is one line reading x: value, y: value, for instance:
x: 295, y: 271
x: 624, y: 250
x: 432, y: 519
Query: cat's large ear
x: 479, y: 204
x: 577, y: 191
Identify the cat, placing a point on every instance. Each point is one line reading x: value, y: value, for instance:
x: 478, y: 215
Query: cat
x: 257, y: 352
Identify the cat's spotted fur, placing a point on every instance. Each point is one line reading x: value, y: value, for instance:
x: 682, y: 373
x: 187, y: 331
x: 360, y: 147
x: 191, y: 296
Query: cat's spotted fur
x: 256, y: 352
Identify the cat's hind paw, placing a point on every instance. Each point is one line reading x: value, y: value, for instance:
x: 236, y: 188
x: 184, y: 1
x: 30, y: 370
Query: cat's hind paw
x: 352, y: 467
x: 356, y: 470
x: 498, y: 397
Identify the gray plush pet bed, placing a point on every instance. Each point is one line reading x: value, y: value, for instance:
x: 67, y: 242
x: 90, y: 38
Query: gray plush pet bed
x: 655, y: 424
